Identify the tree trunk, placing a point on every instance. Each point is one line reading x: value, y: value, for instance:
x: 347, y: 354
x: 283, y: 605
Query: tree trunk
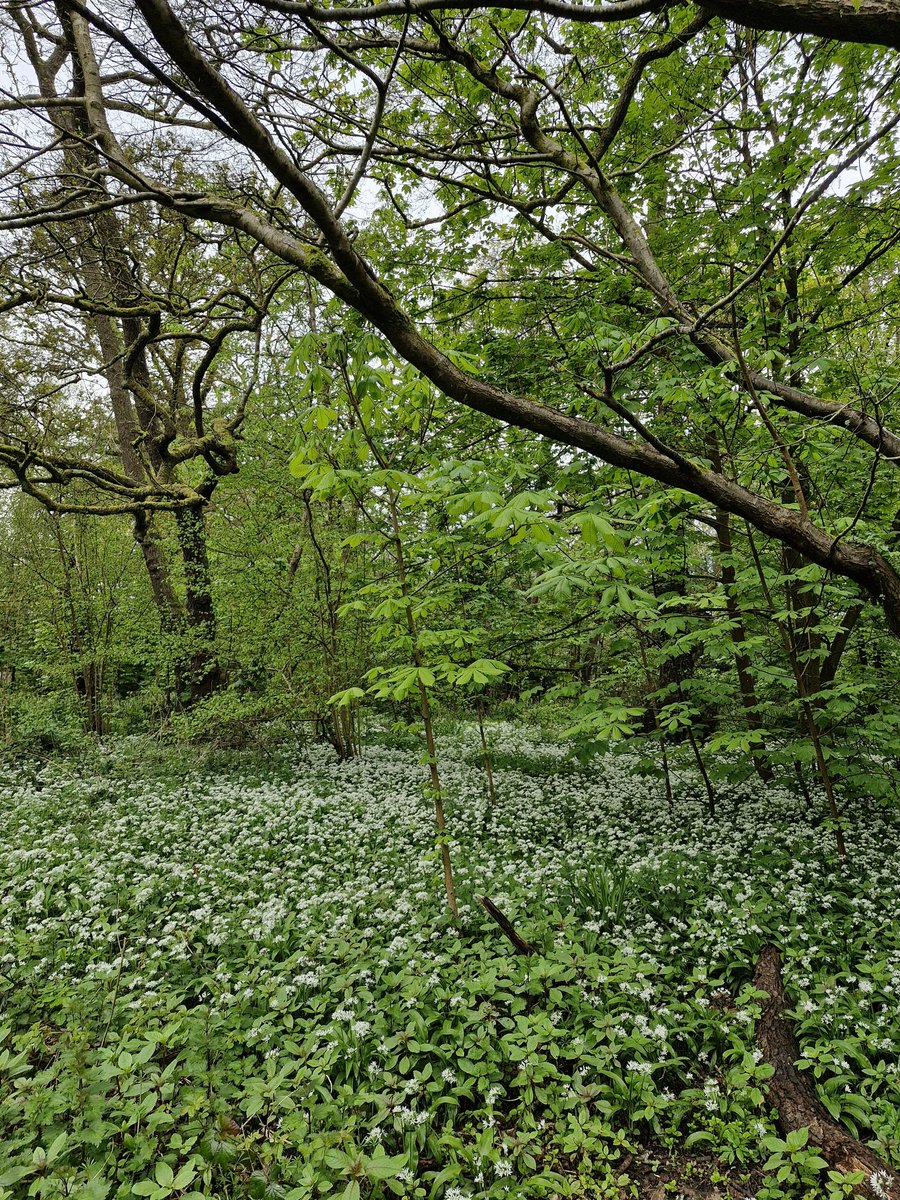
x: 746, y: 682
x: 205, y: 673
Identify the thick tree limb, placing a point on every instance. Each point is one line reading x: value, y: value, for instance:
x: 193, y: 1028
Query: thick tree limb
x: 622, y: 10
x: 875, y: 21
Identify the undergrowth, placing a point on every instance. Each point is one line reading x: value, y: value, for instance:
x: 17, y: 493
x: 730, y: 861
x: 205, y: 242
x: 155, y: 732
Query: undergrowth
x: 230, y: 977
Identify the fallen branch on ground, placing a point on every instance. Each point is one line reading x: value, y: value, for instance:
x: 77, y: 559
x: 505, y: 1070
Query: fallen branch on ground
x: 517, y: 940
x: 794, y: 1096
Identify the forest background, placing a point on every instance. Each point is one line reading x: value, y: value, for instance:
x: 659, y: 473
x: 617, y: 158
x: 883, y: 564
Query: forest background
x: 666, y: 242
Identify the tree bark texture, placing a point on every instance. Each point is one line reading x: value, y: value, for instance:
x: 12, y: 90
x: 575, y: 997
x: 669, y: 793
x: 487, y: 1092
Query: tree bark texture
x: 875, y: 21
x: 795, y: 1098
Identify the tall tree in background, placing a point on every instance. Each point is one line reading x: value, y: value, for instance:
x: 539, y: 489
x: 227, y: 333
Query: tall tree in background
x: 146, y: 307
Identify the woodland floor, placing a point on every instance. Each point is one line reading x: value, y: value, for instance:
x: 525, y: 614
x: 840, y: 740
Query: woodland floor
x: 234, y: 976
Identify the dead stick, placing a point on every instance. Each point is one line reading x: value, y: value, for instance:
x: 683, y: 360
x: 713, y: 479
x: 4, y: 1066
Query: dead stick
x: 517, y: 940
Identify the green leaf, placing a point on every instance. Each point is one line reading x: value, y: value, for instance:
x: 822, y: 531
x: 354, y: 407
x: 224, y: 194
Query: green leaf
x: 797, y: 1139
x: 14, y: 1174
x: 347, y: 697
x: 164, y: 1174
x: 94, y: 1189
x: 184, y: 1176
x: 56, y: 1147
x: 338, y: 1160
x: 379, y: 1167
x: 701, y: 1135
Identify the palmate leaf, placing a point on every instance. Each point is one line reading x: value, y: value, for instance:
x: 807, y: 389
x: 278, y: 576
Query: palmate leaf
x: 347, y: 697
x: 596, y: 530
x: 480, y: 672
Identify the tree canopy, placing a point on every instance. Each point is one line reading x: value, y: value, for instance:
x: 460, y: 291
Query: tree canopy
x: 693, y: 222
